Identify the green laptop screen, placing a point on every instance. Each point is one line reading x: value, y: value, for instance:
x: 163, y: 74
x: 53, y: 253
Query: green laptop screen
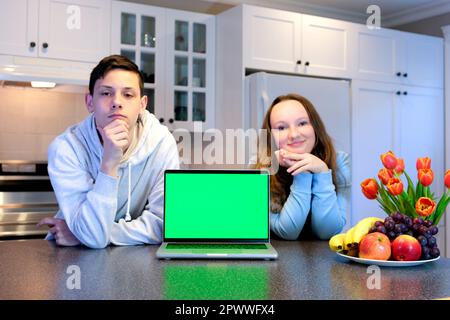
x: 216, y: 205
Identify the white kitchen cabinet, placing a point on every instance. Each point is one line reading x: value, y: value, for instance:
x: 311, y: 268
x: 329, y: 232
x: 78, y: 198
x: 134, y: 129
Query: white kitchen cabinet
x: 76, y: 30
x: 399, y: 57
x: 138, y: 33
x: 327, y: 47
x: 378, y: 55
x: 272, y: 38
x: 423, y: 60
x: 19, y: 25
x: 175, y: 51
x: 296, y: 43
x: 405, y: 119
x: 190, y: 66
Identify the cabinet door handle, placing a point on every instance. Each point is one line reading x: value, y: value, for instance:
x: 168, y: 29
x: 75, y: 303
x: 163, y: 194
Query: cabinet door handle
x: 405, y: 75
x: 307, y: 63
x: 405, y: 93
x: 398, y: 93
x: 299, y: 61
x: 399, y: 74
x: 45, y: 45
x: 170, y: 120
x: 161, y: 120
x: 32, y: 44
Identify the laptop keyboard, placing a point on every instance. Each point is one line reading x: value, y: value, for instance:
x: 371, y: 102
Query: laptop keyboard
x: 214, y: 246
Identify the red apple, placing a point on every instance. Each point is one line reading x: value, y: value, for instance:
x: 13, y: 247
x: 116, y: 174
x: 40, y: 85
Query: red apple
x: 376, y: 246
x: 406, y: 248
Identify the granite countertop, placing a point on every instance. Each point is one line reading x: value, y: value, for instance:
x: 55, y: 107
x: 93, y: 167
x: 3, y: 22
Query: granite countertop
x: 38, y: 269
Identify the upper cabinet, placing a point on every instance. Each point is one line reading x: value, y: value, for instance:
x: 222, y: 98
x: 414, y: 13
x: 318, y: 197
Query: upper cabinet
x: 190, y: 57
x: 284, y: 41
x: 399, y: 57
x: 138, y: 33
x: 175, y: 51
x: 76, y: 30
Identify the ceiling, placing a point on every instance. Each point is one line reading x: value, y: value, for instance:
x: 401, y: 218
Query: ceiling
x: 393, y: 12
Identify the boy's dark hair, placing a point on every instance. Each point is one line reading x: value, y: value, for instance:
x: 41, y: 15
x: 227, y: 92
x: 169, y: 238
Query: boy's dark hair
x: 114, y: 62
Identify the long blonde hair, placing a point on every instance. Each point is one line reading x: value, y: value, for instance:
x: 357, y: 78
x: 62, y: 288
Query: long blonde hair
x: 281, y: 180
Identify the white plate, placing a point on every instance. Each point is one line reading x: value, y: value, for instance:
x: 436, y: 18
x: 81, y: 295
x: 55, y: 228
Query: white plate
x: 387, y: 263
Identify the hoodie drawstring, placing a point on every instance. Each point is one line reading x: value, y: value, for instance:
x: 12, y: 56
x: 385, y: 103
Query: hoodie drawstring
x: 127, y: 215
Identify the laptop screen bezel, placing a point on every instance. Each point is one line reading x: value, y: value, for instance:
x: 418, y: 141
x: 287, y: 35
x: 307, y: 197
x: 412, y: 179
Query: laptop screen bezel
x: 219, y: 171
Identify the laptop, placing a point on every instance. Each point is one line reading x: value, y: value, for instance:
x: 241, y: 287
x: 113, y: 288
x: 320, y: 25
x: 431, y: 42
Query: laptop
x: 216, y: 214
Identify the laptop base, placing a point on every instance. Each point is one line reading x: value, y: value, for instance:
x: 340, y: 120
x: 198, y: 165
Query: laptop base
x: 269, y: 253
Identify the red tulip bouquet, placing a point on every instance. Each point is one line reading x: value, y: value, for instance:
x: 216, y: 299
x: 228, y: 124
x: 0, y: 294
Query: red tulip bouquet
x: 414, y: 201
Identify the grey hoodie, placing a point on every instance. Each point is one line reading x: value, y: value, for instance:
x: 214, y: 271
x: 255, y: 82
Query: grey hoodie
x: 95, y: 205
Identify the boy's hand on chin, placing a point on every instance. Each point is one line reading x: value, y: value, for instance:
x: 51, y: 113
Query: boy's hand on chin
x: 116, y: 138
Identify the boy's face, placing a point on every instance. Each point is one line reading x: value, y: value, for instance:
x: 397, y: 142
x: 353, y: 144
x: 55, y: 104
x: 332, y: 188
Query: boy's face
x: 116, y: 96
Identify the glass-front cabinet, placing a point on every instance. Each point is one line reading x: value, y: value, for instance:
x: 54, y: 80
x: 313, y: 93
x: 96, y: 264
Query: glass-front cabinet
x: 175, y: 52
x: 190, y: 69
x: 138, y: 33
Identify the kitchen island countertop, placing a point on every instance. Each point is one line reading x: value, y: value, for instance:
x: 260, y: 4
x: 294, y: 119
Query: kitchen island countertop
x: 38, y: 269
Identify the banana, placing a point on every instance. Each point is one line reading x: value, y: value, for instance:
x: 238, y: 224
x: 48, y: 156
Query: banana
x: 336, y: 242
x: 362, y: 228
x: 348, y: 240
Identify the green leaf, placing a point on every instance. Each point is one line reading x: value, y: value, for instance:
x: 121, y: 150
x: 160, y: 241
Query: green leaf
x: 410, y: 209
x: 419, y: 190
x: 410, y: 188
x: 397, y: 203
x: 385, y: 200
x: 442, y: 205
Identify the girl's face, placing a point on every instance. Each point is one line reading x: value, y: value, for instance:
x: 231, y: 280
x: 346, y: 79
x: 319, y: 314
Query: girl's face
x: 291, y: 127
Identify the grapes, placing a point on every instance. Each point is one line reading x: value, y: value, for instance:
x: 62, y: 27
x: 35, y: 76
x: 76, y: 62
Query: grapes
x: 398, y: 228
x: 427, y: 223
x: 427, y: 234
x: 423, y: 241
x: 426, y: 257
x: 398, y: 217
x: 378, y: 224
x: 434, y: 252
x: 431, y: 241
x: 434, y: 230
x: 422, y: 229
x: 389, y: 225
x: 408, y: 222
x: 404, y: 228
x: 381, y: 229
x: 415, y: 227
x: 388, y: 219
x: 391, y: 235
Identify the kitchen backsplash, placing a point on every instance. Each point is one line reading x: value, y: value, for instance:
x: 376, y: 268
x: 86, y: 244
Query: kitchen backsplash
x: 31, y: 118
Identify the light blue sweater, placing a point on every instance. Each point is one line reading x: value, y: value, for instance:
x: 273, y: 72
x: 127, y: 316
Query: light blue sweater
x: 95, y: 205
x: 315, y: 194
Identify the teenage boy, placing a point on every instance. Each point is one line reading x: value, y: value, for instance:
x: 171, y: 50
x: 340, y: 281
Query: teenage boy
x: 108, y: 170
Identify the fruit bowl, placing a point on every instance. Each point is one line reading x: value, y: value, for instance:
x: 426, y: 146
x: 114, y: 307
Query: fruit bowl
x: 386, y: 263
x: 397, y: 240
